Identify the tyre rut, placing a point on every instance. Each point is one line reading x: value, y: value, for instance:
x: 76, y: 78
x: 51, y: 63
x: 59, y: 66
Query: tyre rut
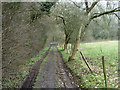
x: 29, y: 80
x: 53, y: 73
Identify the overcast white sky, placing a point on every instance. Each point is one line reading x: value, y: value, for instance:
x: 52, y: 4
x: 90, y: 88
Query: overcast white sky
x: 84, y: 0
x: 50, y: 0
x: 53, y: 0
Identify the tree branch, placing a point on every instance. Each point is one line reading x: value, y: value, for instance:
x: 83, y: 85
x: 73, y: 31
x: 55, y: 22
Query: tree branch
x: 63, y: 23
x: 107, y: 12
x: 75, y: 4
x: 86, y: 4
x: 62, y: 19
x: 70, y: 32
x: 7, y: 64
x: 116, y: 15
x: 98, y: 15
x: 93, y: 5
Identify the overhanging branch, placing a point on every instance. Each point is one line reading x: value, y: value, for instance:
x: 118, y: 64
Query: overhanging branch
x: 93, y: 5
x: 75, y: 4
x: 107, y: 12
x: 62, y: 19
x: 86, y: 4
x: 63, y: 23
x: 116, y: 15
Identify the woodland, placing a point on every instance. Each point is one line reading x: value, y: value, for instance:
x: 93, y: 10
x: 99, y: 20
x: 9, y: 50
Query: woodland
x: 86, y: 32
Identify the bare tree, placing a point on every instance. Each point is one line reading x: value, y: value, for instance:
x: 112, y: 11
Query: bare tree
x: 88, y: 18
x: 67, y: 33
x: 70, y: 20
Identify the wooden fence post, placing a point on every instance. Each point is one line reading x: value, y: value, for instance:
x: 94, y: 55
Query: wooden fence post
x: 86, y: 61
x: 104, y: 71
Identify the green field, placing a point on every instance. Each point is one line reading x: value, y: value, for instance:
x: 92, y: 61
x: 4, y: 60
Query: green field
x: 93, y: 53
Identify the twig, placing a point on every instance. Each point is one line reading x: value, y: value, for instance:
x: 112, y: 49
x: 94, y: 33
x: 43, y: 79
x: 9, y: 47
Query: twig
x: 7, y: 64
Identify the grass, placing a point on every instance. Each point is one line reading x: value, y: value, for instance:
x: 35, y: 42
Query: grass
x: 32, y: 61
x: 24, y: 70
x: 93, y: 53
x: 59, y: 48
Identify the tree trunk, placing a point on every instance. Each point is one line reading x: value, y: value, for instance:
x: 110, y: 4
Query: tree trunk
x: 65, y: 45
x: 75, y: 49
x: 80, y: 35
x: 76, y: 44
x: 66, y: 42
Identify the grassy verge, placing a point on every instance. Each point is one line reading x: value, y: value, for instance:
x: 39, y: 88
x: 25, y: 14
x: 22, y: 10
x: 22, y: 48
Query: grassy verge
x: 24, y: 70
x: 93, y: 52
x: 59, y: 48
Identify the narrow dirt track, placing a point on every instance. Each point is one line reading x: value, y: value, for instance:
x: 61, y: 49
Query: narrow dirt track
x: 53, y: 74
x: 30, y: 78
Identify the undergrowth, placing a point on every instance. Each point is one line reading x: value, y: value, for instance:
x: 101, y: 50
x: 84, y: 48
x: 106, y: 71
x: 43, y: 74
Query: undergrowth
x: 18, y: 79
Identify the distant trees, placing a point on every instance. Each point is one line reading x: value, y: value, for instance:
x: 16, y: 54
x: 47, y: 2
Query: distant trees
x: 103, y: 28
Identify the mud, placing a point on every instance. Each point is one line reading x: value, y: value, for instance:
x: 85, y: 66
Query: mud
x: 53, y: 73
x: 50, y: 72
x: 30, y: 78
